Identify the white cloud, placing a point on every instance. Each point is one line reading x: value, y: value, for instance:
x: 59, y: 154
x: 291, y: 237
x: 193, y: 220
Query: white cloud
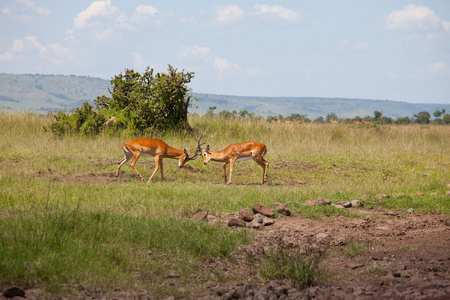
x: 228, y: 14
x: 224, y: 65
x: 277, y: 13
x: 139, y: 63
x: 144, y: 13
x: 204, y: 54
x: 436, y: 68
x: 256, y: 71
x: 96, y: 9
x: 29, y: 48
x: 413, y: 18
x: 24, y: 11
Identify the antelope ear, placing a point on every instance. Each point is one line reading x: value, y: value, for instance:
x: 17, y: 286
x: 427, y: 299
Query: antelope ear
x: 207, y: 149
x: 185, y: 153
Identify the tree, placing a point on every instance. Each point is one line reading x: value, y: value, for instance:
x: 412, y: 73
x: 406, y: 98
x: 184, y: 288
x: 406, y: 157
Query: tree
x: 446, y: 118
x: 422, y: 117
x: 138, y: 102
x: 149, y: 101
x: 331, y: 116
x: 437, y: 113
x: 377, y: 115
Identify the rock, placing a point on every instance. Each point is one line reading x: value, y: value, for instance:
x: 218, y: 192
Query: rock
x: 236, y: 223
x: 201, y: 215
x: 357, y: 203
x: 268, y: 221
x: 257, y: 223
x: 310, y: 203
x: 365, y: 197
x: 212, y: 219
x: 246, y: 214
x: 346, y: 204
x: 381, y: 196
x: 410, y: 210
x: 447, y: 193
x: 420, y: 194
x: 321, y: 236
x: 322, y: 201
x: 14, y: 292
x: 264, y: 210
x: 282, y: 209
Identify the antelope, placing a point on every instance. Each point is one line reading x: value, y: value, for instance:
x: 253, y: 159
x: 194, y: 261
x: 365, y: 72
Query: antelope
x: 238, y: 152
x: 157, y: 148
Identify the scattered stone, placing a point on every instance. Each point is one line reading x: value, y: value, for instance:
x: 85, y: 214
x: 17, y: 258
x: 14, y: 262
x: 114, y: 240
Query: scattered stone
x: 201, y: 215
x: 381, y: 196
x: 258, y: 218
x: 365, y: 197
x: 420, y: 194
x: 448, y: 185
x: 357, y: 203
x: 264, y: 210
x: 346, y: 204
x: 268, y: 221
x: 233, y: 222
x: 257, y: 223
x: 310, y: 203
x: 410, y: 210
x: 356, y: 266
x: 246, y: 214
x: 212, y: 219
x: 321, y: 236
x: 447, y: 193
x: 14, y: 292
x: 282, y: 209
x: 322, y: 201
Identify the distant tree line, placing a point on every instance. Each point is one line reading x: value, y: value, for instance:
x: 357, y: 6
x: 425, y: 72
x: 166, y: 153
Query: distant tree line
x: 423, y: 117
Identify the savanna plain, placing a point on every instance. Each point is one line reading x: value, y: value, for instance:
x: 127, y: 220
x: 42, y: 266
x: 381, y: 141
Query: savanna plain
x: 70, y: 230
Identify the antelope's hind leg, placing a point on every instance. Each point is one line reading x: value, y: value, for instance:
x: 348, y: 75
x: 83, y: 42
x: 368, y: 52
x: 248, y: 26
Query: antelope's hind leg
x: 265, y: 165
x: 128, y: 156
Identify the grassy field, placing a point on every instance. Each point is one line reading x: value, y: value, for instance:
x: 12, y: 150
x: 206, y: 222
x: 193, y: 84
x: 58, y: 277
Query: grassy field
x: 65, y: 222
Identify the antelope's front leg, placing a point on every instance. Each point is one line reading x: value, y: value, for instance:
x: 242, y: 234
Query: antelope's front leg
x: 231, y: 169
x: 224, y: 167
x: 158, y: 164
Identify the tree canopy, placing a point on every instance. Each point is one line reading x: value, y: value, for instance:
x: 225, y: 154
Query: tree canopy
x: 138, y: 102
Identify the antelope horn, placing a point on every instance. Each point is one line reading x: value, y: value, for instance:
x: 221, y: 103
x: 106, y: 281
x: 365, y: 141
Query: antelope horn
x: 199, y: 146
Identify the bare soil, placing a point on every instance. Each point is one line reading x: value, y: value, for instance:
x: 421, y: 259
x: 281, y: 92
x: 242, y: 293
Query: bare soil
x: 400, y: 256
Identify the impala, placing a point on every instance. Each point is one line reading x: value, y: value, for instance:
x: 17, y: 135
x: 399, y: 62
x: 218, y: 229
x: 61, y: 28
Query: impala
x: 157, y: 148
x: 238, y: 152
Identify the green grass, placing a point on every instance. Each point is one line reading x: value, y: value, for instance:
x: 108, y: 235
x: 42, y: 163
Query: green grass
x: 65, y: 221
x: 302, y: 270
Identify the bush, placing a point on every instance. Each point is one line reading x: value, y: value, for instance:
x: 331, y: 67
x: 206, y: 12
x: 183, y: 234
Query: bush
x: 138, y: 102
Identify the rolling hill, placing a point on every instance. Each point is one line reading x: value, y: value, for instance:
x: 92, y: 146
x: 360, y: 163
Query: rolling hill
x: 43, y: 93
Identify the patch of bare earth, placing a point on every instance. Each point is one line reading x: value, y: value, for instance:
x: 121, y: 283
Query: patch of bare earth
x: 400, y: 256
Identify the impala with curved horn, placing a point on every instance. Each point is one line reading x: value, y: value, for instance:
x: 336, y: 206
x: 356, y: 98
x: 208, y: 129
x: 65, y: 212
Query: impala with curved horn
x: 157, y: 148
x: 238, y: 152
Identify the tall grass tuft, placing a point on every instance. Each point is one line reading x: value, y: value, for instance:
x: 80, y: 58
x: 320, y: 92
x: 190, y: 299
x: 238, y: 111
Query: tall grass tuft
x: 302, y: 270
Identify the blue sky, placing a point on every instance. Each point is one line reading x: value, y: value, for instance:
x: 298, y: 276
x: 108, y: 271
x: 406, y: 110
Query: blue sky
x: 396, y: 50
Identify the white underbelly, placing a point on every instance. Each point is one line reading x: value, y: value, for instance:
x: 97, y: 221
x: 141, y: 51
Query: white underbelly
x: 244, y: 158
